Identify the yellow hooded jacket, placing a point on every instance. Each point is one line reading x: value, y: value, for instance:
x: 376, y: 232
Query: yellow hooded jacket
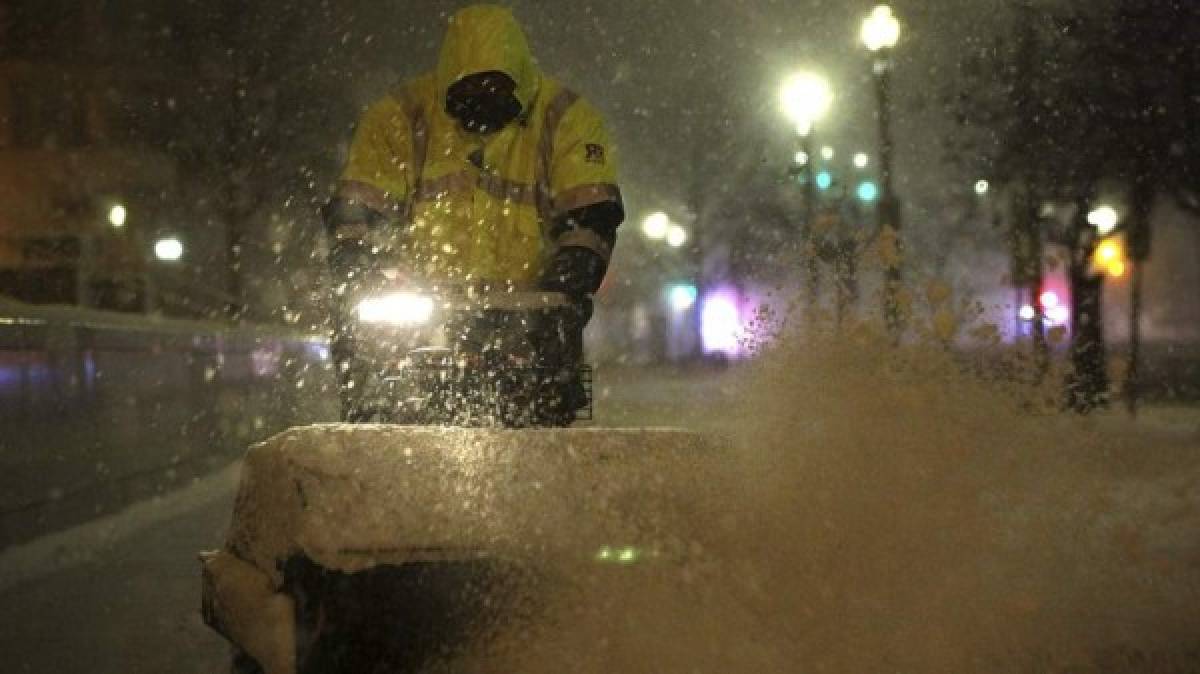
x: 485, y: 220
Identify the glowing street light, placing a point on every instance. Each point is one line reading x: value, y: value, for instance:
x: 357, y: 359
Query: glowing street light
x: 982, y: 187
x: 801, y: 158
x: 117, y: 216
x: 868, y: 191
x: 827, y: 153
x: 676, y: 236
x: 656, y: 225
x: 168, y: 249
x: 861, y: 160
x: 805, y: 99
x: 881, y: 30
x: 1105, y: 219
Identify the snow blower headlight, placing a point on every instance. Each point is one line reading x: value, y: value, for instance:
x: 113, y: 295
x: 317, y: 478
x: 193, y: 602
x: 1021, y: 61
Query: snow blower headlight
x: 396, y: 309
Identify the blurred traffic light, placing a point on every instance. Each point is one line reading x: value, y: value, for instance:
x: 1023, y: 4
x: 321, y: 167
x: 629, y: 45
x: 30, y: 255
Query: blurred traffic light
x: 1110, y: 257
x: 682, y: 296
x: 868, y: 191
x: 824, y: 180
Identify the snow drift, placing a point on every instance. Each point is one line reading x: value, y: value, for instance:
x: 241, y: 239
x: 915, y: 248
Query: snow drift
x: 885, y: 510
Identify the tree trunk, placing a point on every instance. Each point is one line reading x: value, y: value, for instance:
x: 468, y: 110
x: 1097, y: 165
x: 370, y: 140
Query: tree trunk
x: 1027, y: 258
x: 1087, y: 384
x: 1132, y: 382
x: 1139, y: 251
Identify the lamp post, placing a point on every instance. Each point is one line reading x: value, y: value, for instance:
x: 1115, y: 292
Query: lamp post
x: 880, y: 33
x: 805, y: 99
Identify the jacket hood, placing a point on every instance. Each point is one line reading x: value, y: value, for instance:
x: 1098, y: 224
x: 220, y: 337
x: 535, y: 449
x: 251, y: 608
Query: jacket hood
x: 483, y: 38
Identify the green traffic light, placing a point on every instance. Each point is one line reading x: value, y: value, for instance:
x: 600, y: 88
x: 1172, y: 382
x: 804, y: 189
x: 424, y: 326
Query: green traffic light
x: 824, y: 180
x: 868, y: 191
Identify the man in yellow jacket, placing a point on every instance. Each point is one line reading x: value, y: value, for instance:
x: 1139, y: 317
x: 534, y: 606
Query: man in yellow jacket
x: 483, y: 172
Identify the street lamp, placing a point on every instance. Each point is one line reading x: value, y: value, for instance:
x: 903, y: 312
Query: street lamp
x: 1105, y: 219
x: 168, y: 249
x: 655, y: 226
x: 861, y: 160
x: 881, y: 30
x: 805, y: 99
x: 982, y: 187
x: 117, y: 216
x: 880, y: 33
x: 676, y: 236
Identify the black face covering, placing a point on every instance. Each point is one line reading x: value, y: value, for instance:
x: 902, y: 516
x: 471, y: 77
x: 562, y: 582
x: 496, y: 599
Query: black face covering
x: 484, y: 102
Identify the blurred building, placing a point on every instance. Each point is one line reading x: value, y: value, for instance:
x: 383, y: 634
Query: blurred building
x: 67, y: 159
x: 152, y: 109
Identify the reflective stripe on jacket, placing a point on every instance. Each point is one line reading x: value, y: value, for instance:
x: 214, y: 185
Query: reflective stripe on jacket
x: 478, y: 206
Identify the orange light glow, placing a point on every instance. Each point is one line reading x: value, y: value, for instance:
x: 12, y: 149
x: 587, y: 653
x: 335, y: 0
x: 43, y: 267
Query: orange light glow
x: 1109, y: 252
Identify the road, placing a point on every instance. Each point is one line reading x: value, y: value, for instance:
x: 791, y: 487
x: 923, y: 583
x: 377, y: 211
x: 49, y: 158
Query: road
x: 130, y: 606
x: 1053, y: 542
x: 121, y: 596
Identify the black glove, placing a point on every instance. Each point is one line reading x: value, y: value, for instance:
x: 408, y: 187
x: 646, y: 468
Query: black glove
x: 574, y: 271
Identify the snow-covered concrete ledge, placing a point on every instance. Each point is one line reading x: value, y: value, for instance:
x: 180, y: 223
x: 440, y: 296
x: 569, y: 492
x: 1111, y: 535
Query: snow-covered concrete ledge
x: 351, y: 496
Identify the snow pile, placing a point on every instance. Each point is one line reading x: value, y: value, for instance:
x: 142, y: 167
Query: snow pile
x: 886, y: 512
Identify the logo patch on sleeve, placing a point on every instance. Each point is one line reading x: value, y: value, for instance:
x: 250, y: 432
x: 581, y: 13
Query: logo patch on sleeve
x: 594, y: 153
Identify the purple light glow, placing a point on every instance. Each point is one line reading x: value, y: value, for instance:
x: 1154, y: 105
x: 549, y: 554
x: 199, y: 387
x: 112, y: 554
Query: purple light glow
x: 10, y: 377
x: 1058, y: 315
x: 721, y: 323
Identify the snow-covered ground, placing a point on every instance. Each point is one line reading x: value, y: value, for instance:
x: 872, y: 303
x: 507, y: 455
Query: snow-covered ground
x: 875, y: 516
